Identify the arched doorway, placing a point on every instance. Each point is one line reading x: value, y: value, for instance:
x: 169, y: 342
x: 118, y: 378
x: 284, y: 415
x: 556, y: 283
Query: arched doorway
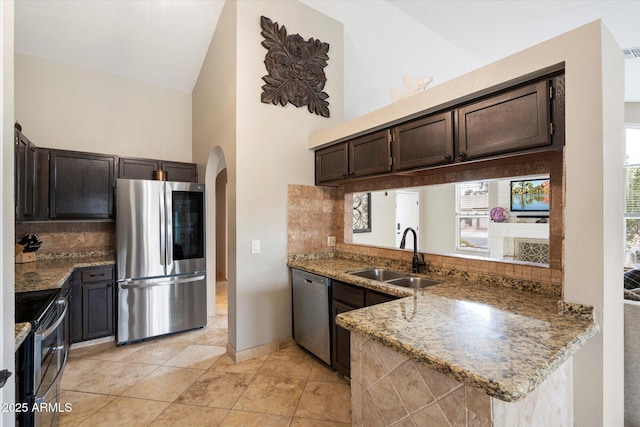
x: 217, y: 220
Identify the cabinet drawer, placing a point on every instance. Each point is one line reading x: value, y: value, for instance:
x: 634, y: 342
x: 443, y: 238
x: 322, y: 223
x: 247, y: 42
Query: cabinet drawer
x: 97, y: 275
x: 348, y: 294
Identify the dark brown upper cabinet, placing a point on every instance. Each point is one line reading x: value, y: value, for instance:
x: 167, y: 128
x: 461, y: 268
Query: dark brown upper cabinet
x: 359, y: 157
x: 423, y: 142
x: 525, y: 118
x: 370, y: 154
x: 81, y: 185
x: 26, y: 170
x: 516, y: 120
x: 31, y: 180
x: 177, y: 171
x: 137, y: 168
x: 332, y: 163
x: 133, y: 168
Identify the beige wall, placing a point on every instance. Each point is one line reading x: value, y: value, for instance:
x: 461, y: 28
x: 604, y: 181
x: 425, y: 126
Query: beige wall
x: 214, y: 136
x: 265, y: 150
x: 72, y: 108
x: 632, y: 112
x: 7, y: 393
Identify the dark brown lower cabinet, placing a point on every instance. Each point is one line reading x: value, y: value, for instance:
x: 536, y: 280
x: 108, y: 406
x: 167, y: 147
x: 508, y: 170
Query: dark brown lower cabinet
x: 341, y: 358
x: 92, y: 296
x: 347, y: 297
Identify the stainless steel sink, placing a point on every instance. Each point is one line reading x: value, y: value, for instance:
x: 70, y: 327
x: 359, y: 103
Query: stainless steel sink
x: 413, y: 282
x: 379, y: 274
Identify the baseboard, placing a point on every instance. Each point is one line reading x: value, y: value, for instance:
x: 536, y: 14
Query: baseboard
x: 250, y: 353
x: 92, y: 342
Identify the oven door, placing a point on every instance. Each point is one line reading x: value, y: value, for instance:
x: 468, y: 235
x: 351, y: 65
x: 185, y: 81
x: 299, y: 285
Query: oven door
x: 51, y: 350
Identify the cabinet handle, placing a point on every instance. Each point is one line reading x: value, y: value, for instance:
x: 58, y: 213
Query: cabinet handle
x: 97, y: 275
x: 109, y: 285
x: 462, y: 155
x: 447, y: 157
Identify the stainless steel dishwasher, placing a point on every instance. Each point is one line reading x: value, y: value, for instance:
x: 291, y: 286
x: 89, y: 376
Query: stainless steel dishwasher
x: 311, y: 294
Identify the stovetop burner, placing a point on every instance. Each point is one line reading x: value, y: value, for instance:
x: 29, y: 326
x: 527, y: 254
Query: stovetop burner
x: 30, y: 306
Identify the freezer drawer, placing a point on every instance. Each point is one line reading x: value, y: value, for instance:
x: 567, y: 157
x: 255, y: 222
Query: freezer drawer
x: 153, y: 307
x: 311, y: 313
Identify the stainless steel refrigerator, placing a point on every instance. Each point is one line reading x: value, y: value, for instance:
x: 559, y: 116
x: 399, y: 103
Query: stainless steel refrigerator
x: 160, y: 233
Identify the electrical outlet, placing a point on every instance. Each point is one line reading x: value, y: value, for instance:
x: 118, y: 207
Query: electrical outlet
x: 331, y: 241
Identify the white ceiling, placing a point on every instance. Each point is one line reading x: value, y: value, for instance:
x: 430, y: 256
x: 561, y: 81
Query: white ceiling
x: 163, y: 42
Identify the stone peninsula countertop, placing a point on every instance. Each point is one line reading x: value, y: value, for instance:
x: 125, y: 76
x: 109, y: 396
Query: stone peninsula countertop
x: 502, y: 340
x: 52, y: 273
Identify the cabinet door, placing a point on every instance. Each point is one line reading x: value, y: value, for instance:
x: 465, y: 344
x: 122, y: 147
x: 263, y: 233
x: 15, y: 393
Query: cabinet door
x: 423, y: 142
x: 511, y: 121
x: 81, y: 185
x: 75, y: 308
x: 332, y: 163
x: 373, y: 298
x: 41, y: 187
x: 348, y: 294
x: 137, y: 168
x: 176, y: 171
x: 341, y: 352
x: 26, y: 166
x: 97, y: 310
x: 370, y: 154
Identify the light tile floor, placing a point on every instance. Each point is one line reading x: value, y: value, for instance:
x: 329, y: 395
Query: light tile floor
x: 187, y: 379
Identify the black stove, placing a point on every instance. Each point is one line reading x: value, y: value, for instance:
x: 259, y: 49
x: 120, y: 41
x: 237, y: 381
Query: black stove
x: 30, y: 306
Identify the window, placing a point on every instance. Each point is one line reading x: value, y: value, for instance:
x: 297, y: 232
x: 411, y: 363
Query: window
x: 472, y: 216
x: 632, y: 198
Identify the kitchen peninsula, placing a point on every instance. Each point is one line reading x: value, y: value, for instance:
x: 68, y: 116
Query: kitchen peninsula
x: 482, y: 352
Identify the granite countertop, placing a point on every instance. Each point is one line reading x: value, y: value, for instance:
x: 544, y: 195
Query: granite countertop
x: 503, y: 340
x: 22, y: 330
x: 52, y: 273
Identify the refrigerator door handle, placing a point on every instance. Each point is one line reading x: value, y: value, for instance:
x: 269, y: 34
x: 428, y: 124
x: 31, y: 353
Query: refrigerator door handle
x: 163, y: 243
x: 168, y: 203
x: 148, y: 283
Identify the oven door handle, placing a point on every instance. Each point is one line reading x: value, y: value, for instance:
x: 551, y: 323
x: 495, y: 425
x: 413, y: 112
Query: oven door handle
x: 50, y: 329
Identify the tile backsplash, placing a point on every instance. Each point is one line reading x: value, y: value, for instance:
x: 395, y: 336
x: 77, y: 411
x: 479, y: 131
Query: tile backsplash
x: 311, y: 218
x: 71, y: 237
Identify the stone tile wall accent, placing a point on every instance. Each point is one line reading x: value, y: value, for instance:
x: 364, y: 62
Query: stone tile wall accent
x: 311, y: 213
x: 71, y: 237
x: 387, y: 389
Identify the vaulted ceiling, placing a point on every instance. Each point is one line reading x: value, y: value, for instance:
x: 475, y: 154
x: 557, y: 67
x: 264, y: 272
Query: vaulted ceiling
x: 163, y: 42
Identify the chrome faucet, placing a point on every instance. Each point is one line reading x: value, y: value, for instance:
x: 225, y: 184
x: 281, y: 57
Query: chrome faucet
x: 416, y: 263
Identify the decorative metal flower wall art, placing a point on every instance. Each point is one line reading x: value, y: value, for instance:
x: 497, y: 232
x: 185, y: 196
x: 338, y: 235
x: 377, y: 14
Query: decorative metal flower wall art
x: 361, y: 212
x: 296, y: 69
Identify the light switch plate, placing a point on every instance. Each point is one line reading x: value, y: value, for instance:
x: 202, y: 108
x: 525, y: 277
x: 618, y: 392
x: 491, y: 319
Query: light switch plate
x: 255, y: 246
x: 331, y: 241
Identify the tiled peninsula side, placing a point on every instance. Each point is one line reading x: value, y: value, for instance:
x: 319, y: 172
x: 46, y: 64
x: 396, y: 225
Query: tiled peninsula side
x: 388, y: 388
